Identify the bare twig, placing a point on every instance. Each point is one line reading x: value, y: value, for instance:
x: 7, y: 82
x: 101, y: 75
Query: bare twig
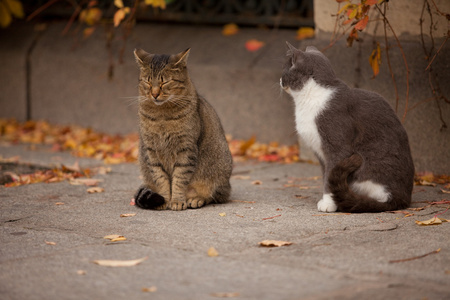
x: 41, y: 9
x: 437, y: 52
x: 415, y: 257
x: 388, y: 59
x: 271, y: 217
x: 72, y: 19
x: 403, y: 56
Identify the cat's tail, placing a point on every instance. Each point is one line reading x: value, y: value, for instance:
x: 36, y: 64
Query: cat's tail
x: 345, y: 199
x: 145, y: 198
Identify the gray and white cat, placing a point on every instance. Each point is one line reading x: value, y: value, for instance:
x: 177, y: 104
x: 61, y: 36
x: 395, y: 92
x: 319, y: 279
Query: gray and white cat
x: 361, y: 145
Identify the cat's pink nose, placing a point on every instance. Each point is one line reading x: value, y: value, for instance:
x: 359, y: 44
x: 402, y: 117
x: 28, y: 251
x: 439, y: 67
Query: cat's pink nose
x: 155, y: 95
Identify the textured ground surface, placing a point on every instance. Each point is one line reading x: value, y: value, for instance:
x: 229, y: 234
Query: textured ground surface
x: 47, y: 250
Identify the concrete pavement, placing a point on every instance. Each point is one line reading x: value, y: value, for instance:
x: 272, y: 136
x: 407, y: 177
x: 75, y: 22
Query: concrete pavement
x: 47, y: 250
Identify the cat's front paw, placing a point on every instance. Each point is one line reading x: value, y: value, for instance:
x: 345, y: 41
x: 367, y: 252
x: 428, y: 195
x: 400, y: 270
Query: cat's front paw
x: 195, y: 202
x: 177, y: 205
x: 145, y: 198
x: 326, y: 204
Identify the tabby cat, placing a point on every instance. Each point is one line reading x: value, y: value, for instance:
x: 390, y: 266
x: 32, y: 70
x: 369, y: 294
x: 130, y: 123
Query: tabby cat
x: 183, y: 154
x: 361, y: 145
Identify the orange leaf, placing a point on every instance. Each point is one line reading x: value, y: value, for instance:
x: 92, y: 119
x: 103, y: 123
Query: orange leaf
x: 305, y: 33
x: 362, y: 23
x: 371, y: 2
x: 230, y: 29
x: 375, y: 60
x: 253, y: 45
x: 346, y: 22
x: 118, y: 17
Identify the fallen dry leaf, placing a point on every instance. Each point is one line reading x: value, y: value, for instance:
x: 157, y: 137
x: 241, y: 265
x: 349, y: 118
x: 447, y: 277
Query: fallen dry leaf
x: 225, y: 295
x: 212, y: 252
x: 257, y: 182
x: 151, y: 289
x: 96, y: 189
x: 241, y: 177
x: 115, y: 237
x: 305, y: 33
x: 81, y: 272
x: 230, y: 29
x: 331, y: 214
x: 50, y: 243
x: 119, y: 263
x: 223, y: 214
x: 59, y: 203
x: 445, y: 191
x: 425, y: 183
x: 253, y: 45
x: 273, y: 243
x: 132, y: 201
x: 432, y: 221
x: 127, y: 215
x: 85, y: 181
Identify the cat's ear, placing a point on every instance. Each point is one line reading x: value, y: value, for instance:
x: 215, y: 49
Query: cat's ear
x: 311, y: 48
x: 181, y: 58
x: 290, y: 49
x: 295, y: 54
x: 140, y: 56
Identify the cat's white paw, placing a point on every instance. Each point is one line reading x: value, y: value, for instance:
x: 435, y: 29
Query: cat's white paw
x: 326, y: 204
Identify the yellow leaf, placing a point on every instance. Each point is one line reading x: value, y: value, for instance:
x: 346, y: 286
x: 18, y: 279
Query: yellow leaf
x: 91, y: 16
x: 223, y: 214
x: 352, y: 13
x: 151, y: 289
x: 225, y: 295
x: 127, y: 215
x: 96, y: 189
x: 85, y: 181
x: 5, y: 16
x: 426, y: 183
x: 432, y: 221
x: 15, y: 7
x: 230, y: 29
x: 212, y: 252
x: 118, y: 3
x: 156, y: 3
x: 115, y: 237
x: 119, y: 263
x: 120, y: 15
x: 273, y: 243
x: 345, y: 7
x: 50, y: 243
x: 305, y: 33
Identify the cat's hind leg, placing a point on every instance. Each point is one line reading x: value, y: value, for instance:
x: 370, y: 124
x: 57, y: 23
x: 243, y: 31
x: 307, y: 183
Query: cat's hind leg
x: 200, y: 194
x: 147, y: 199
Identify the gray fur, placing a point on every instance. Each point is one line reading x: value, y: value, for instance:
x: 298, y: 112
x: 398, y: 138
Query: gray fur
x: 183, y: 154
x: 356, y: 124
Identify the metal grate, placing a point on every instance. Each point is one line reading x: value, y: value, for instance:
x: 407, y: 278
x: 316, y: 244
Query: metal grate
x: 287, y: 13
x: 282, y: 13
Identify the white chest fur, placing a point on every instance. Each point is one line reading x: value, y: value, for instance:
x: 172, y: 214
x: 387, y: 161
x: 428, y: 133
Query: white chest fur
x: 310, y: 101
